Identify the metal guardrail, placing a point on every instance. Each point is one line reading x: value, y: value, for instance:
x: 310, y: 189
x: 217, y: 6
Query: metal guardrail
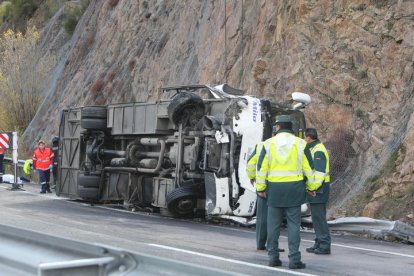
x: 26, y: 252
x: 9, y: 161
x: 377, y: 227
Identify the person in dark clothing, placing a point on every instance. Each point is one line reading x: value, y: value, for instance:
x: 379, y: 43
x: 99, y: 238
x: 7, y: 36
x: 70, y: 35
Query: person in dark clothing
x: 319, y: 198
x: 55, y: 150
x: 2, y: 150
x: 261, y: 211
x: 261, y: 203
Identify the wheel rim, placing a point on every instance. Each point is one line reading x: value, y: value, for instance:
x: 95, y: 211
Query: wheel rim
x: 185, y: 205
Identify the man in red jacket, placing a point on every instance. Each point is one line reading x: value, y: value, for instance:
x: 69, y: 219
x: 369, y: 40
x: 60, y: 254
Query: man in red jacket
x: 42, y: 162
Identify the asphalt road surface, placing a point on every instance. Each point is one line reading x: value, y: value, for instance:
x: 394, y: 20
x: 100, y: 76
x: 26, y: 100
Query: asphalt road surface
x: 226, y: 247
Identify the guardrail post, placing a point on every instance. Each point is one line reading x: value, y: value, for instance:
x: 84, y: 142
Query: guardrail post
x: 15, y: 185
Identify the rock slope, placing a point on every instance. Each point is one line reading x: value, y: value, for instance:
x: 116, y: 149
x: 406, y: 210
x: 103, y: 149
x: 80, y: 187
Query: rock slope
x: 355, y: 59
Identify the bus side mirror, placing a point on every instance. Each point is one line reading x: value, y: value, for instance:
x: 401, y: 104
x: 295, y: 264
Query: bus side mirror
x: 303, y: 100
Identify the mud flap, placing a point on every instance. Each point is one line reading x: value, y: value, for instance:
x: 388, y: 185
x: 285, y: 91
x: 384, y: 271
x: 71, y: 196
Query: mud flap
x: 246, y: 204
x: 217, y: 194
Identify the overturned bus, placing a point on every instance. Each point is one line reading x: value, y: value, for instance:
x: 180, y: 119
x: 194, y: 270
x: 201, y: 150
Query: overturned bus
x: 181, y: 156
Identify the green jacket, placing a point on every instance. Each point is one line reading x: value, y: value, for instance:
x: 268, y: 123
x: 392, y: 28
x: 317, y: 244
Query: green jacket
x: 320, y: 165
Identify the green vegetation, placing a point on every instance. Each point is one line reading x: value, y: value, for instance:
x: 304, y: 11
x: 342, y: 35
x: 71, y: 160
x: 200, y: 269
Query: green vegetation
x: 359, y: 113
x: 71, y: 20
x: 22, y: 73
x: 72, y: 16
x: 410, y: 190
x: 363, y: 116
x: 3, y: 10
x: 387, y: 168
x: 383, y: 3
x: 52, y: 6
x: 373, y: 184
x: 16, y: 12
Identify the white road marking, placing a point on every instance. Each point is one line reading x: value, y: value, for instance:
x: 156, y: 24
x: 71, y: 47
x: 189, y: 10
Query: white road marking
x: 53, y: 196
x: 362, y: 248
x: 373, y: 250
x: 333, y: 244
x: 229, y: 260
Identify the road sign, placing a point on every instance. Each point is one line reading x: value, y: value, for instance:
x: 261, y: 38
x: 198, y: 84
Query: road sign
x: 4, y: 140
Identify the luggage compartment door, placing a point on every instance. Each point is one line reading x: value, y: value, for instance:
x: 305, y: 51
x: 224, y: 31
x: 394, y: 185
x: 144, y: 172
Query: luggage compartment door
x: 69, y: 149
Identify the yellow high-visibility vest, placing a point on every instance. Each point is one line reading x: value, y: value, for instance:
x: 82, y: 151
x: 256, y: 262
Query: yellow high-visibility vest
x: 320, y: 177
x: 252, y: 162
x: 285, y: 161
x: 27, y: 166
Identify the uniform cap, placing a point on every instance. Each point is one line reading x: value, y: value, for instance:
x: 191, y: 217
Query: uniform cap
x: 283, y: 119
x: 41, y: 142
x: 55, y: 139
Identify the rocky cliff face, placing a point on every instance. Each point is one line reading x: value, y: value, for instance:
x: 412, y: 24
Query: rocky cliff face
x: 355, y: 59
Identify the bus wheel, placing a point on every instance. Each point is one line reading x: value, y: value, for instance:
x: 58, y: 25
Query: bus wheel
x: 186, y: 108
x: 182, y: 201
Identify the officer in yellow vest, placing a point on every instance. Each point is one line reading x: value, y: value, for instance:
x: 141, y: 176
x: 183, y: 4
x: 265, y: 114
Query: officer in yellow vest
x: 261, y: 210
x: 261, y: 205
x: 27, y: 167
x: 319, y: 199
x: 283, y: 166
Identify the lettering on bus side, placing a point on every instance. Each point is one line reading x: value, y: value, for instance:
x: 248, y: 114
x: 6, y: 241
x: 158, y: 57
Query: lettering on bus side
x: 255, y: 111
x: 251, y: 205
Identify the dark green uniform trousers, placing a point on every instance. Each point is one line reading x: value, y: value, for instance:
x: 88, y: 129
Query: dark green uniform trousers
x: 274, y: 222
x: 320, y: 225
x: 261, y: 222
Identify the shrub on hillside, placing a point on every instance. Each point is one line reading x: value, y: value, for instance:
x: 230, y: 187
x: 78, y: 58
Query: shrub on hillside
x: 131, y: 64
x: 3, y: 10
x: 22, y: 73
x: 97, y: 87
x: 52, y: 6
x: 18, y: 9
x: 71, y: 20
x: 73, y: 15
x: 112, y: 3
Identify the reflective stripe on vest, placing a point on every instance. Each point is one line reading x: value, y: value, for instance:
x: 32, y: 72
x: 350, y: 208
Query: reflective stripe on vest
x: 285, y: 158
x: 251, y: 166
x: 321, y: 176
x: 42, y: 159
